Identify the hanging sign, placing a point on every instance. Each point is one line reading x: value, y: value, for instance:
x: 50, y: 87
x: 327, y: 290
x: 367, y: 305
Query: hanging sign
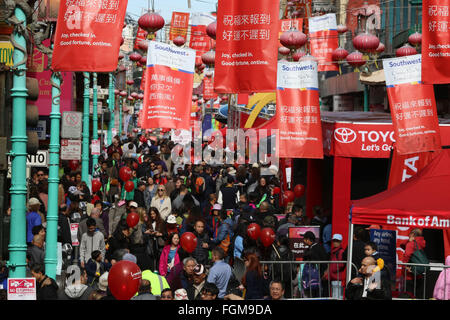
x: 324, y: 40
x: 179, y: 25
x: 141, y: 35
x: 435, y: 41
x: 71, y: 124
x: 70, y: 149
x: 93, y: 30
x: 298, y: 110
x: 168, y: 87
x: 246, y: 48
x: 413, y: 106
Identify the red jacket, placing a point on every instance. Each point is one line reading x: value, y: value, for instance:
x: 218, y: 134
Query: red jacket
x: 336, y: 270
x: 163, y: 260
x: 409, y: 250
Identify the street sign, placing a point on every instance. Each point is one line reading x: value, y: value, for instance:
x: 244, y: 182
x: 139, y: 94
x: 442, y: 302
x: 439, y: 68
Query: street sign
x: 74, y: 234
x: 95, y: 147
x: 21, y: 289
x: 41, y: 129
x: 70, y: 149
x: 40, y: 159
x: 71, y: 125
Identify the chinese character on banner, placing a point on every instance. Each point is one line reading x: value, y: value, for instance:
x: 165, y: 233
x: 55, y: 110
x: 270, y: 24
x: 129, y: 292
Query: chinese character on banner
x: 324, y: 40
x: 298, y: 110
x: 435, y: 41
x: 179, y: 25
x: 92, y: 31
x: 200, y: 41
x: 246, y: 49
x: 168, y: 86
x: 208, y: 89
x: 414, y: 115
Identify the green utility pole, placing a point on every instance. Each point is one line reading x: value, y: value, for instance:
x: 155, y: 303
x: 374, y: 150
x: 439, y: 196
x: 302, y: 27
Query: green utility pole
x: 51, y: 240
x: 18, y: 229
x: 120, y: 115
x: 85, y: 143
x: 366, y: 98
x: 111, y: 104
x: 94, y: 117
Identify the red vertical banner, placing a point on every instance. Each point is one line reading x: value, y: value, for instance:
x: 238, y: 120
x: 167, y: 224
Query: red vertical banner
x: 246, y: 49
x: 435, y: 41
x: 179, y: 25
x: 92, y: 30
x: 200, y: 41
x: 141, y: 35
x: 413, y: 106
x: 324, y: 40
x: 143, y: 80
x: 168, y: 86
x: 208, y: 89
x: 298, y: 110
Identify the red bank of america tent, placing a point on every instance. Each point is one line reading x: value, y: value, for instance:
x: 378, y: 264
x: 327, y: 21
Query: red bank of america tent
x: 423, y: 201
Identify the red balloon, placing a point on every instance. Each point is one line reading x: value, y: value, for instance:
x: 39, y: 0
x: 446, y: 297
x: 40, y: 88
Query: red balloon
x: 123, y: 279
x: 188, y: 242
x: 125, y: 173
x: 129, y: 186
x: 135, y: 165
x: 96, y: 185
x: 299, y: 190
x: 254, y: 231
x: 132, y: 219
x: 267, y: 237
x: 73, y: 164
x: 276, y: 190
x: 288, y: 196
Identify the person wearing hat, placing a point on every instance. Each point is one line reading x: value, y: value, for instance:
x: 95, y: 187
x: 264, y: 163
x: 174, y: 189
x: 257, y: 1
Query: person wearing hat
x: 139, y: 197
x: 212, y: 221
x: 199, y: 279
x: 336, y: 271
x: 181, y: 294
x: 33, y: 217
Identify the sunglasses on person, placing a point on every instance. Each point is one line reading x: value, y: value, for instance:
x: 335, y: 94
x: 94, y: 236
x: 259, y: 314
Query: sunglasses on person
x: 160, y: 189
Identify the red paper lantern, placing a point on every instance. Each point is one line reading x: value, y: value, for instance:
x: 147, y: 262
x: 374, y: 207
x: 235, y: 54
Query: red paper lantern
x: 405, y: 50
x: 125, y: 173
x: 123, y: 94
x: 130, y: 82
x: 211, y: 30
x: 293, y: 39
x: 143, y: 60
x: 299, y: 190
x: 121, y: 68
x: 135, y: 95
x: 415, y: 39
x: 284, y: 51
x: 179, y: 41
x: 132, y: 219
x: 209, y: 58
x: 140, y: 96
x: 366, y: 42
x: 381, y: 48
x: 129, y: 186
x: 121, y: 56
x: 116, y: 92
x: 135, y: 57
x: 356, y: 59
x: 342, y: 28
x: 254, y: 231
x: 298, y: 55
x: 130, y: 98
x: 143, y: 45
x: 339, y: 54
x: 96, y: 185
x: 267, y: 237
x: 188, y: 242
x: 151, y: 22
x: 123, y: 279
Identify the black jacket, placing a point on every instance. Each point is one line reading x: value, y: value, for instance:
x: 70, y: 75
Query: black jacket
x: 317, y: 253
x: 47, y: 289
x: 355, y: 291
x: 139, y: 198
x: 64, y: 235
x: 117, y: 241
x: 201, y: 254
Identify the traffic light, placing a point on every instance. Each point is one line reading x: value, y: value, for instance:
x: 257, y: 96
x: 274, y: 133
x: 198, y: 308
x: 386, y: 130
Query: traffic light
x: 32, y: 115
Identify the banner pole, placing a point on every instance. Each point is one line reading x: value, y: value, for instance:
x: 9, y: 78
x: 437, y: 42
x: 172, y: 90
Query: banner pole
x: 94, y: 117
x: 349, y: 252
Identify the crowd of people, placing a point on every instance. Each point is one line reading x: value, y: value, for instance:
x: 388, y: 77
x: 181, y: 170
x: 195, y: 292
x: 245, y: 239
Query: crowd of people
x: 215, y: 203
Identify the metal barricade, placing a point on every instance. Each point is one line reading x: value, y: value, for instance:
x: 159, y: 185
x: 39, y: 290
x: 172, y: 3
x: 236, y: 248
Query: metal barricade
x: 414, y: 284
x: 303, y: 279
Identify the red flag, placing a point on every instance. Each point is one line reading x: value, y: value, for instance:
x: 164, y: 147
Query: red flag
x: 88, y: 35
x: 413, y: 106
x: 200, y: 41
x: 246, y: 50
x: 298, y: 110
x: 435, y: 41
x: 324, y: 40
x: 168, y: 86
x: 179, y: 25
x: 140, y: 36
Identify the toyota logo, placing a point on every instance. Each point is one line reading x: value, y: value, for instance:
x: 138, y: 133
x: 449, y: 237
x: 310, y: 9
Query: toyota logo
x: 345, y: 135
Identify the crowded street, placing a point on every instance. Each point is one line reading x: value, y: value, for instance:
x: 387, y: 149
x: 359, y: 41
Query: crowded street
x: 228, y: 150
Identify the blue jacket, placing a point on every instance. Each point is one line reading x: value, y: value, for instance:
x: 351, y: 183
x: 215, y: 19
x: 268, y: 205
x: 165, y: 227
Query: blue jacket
x: 33, y: 219
x: 225, y: 228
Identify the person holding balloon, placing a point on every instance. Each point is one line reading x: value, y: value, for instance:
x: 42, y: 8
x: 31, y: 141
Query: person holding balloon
x: 203, y: 242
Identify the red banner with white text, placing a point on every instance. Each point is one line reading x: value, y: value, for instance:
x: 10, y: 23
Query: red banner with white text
x: 179, y: 25
x: 208, y: 89
x: 141, y: 35
x: 92, y: 30
x: 246, y: 48
x: 168, y: 87
x: 298, y: 111
x: 324, y: 40
x: 436, y: 41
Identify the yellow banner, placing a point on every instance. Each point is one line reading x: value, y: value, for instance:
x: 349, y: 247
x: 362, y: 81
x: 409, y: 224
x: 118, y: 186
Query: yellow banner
x: 6, y: 53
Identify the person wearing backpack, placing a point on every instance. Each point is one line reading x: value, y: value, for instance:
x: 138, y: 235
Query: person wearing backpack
x: 414, y: 253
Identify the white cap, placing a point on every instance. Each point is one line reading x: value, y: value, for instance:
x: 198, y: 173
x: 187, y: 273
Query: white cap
x: 337, y: 236
x: 133, y: 204
x: 171, y: 219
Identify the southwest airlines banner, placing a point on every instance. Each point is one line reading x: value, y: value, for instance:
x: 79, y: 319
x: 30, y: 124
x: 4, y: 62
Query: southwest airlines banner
x: 413, y: 106
x: 324, y: 40
x: 179, y: 25
x: 168, y: 86
x: 88, y: 35
x: 435, y: 41
x: 298, y: 110
x: 247, y: 46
